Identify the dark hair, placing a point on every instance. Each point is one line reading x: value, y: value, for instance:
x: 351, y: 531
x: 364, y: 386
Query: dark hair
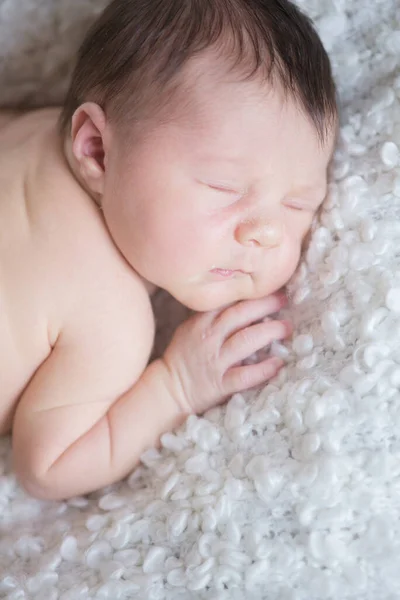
x: 137, y: 48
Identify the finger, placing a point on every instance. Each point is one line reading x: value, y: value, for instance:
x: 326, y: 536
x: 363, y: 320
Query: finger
x: 245, y: 313
x: 251, y: 339
x: 238, y: 379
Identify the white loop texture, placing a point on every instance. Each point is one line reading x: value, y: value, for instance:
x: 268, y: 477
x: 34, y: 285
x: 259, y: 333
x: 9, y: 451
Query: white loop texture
x: 289, y: 493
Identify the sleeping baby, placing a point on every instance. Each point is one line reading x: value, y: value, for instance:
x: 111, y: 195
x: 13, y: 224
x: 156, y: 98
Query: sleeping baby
x: 190, y: 155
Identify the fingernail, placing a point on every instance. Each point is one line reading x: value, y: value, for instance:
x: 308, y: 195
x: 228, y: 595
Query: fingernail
x: 282, y: 297
x: 277, y: 362
x: 288, y: 326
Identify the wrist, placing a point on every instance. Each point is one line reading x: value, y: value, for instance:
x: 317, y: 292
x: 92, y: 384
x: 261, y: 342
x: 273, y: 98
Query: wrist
x: 173, y: 385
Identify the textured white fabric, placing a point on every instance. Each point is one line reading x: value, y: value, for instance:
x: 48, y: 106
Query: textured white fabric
x: 289, y: 494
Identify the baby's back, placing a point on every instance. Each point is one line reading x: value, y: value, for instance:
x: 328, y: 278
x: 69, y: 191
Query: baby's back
x: 59, y: 270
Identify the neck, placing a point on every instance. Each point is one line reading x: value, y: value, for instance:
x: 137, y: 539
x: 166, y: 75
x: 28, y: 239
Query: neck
x: 74, y: 169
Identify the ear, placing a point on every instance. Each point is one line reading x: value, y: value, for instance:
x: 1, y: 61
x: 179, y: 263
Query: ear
x: 87, y: 136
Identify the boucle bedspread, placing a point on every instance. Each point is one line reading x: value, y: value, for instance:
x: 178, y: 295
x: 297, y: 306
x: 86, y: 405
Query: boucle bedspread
x: 292, y: 493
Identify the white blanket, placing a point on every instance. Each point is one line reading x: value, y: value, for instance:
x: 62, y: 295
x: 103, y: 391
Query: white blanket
x: 289, y: 494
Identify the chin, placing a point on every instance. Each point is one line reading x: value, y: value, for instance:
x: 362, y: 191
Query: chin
x: 208, y: 306
x: 201, y: 301
x: 201, y: 304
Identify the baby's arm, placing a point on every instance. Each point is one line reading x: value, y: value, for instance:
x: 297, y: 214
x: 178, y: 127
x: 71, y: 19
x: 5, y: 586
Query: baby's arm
x: 76, y: 428
x: 70, y: 438
x: 74, y: 432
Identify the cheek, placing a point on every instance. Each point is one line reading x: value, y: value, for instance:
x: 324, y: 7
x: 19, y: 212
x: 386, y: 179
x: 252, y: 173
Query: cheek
x: 293, y: 250
x: 158, y: 216
x: 285, y: 263
x: 174, y: 233
x: 185, y: 242
x: 297, y: 235
x: 292, y: 263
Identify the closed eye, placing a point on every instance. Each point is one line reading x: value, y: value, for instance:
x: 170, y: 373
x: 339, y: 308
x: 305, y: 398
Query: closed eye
x: 220, y: 188
x: 295, y: 207
x: 227, y: 196
x: 299, y: 207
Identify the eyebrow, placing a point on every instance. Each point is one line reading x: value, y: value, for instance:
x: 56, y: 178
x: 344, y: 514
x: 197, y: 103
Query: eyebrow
x: 210, y: 156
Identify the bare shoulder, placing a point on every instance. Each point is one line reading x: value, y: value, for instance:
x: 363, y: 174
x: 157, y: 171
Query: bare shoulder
x: 109, y: 320
x: 64, y: 287
x: 112, y: 328
x: 8, y: 115
x: 98, y: 302
x: 108, y: 310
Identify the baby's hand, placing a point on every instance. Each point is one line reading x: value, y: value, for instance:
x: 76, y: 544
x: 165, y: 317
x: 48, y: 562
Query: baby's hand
x: 205, y: 355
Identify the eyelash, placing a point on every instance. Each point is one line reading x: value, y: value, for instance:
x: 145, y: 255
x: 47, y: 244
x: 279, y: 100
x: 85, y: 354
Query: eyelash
x: 229, y: 192
x: 307, y: 209
x: 296, y: 208
x: 219, y: 188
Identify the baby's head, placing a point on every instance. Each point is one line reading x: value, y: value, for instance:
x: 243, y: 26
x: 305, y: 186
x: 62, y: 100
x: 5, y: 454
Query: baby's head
x: 204, y: 129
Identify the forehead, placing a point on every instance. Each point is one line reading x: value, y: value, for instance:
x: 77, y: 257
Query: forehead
x: 249, y: 121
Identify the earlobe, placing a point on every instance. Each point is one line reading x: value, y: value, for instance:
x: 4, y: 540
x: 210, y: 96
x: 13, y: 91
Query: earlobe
x: 88, y: 127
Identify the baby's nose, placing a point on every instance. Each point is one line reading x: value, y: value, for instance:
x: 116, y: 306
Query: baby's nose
x: 260, y: 232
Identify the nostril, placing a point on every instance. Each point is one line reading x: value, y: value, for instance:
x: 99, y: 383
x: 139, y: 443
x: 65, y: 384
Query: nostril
x: 259, y: 232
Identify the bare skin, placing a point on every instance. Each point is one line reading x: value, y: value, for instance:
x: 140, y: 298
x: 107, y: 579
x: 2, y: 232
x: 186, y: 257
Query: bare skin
x: 55, y: 236
x: 76, y: 324
x: 8, y: 115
